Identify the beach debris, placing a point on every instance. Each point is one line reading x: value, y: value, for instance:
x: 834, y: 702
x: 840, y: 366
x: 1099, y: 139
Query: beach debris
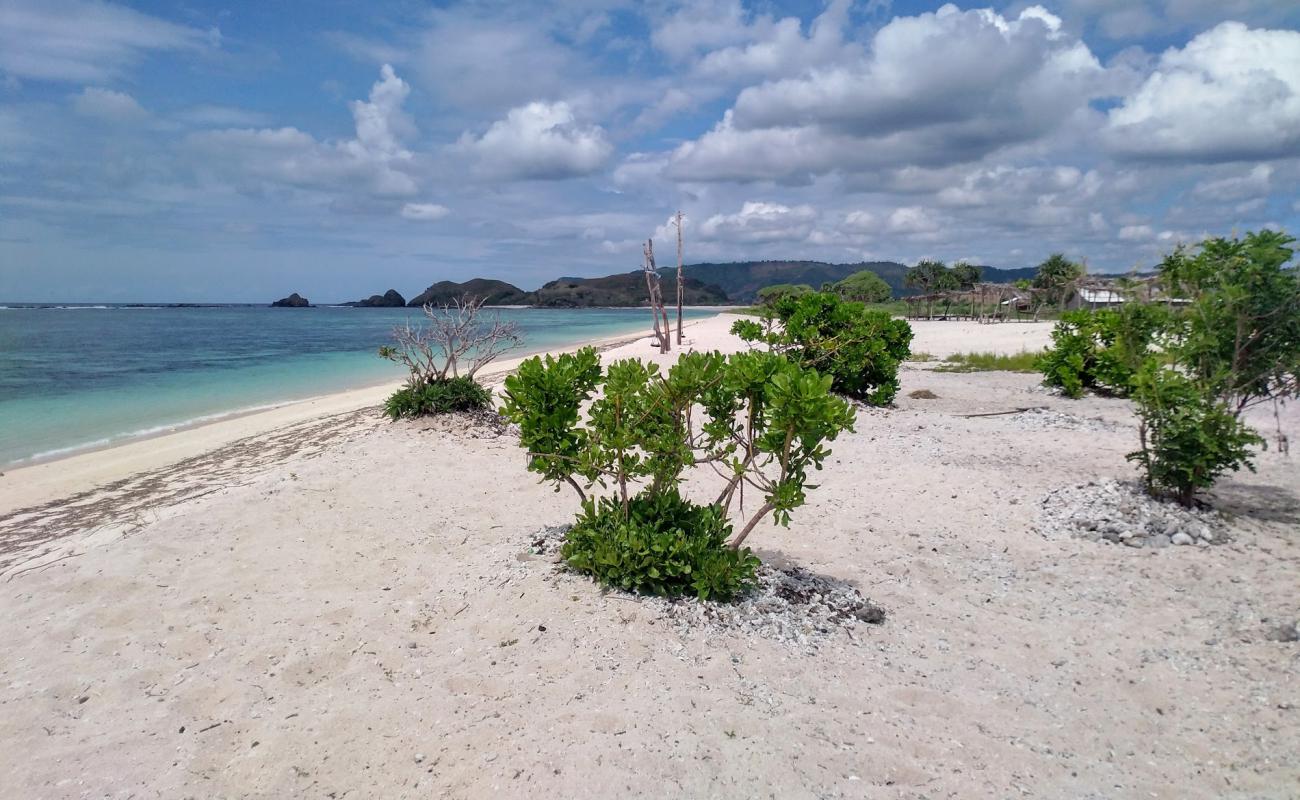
x: 922, y: 394
x: 1120, y: 512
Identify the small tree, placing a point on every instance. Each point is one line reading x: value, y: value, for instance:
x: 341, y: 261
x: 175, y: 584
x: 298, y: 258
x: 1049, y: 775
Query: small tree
x: 1188, y: 437
x: 1192, y: 367
x: 1242, y: 334
x: 755, y: 418
x: 456, y: 338
x: 859, y: 348
x: 770, y: 294
x: 930, y: 277
x: 1055, y: 276
x: 865, y: 287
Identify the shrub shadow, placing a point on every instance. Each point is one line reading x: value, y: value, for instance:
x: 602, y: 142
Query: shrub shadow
x: 1263, y: 502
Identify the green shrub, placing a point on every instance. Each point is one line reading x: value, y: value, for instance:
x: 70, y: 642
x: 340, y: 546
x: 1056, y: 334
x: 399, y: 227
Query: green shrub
x: 1241, y: 333
x: 1103, y: 350
x: 662, y: 545
x: 756, y: 418
x: 1188, y: 436
x: 437, y: 397
x: 865, y: 287
x: 770, y: 294
x: 858, y: 348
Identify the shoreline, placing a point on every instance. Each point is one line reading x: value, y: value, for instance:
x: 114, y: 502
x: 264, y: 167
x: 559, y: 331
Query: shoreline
x: 35, y: 482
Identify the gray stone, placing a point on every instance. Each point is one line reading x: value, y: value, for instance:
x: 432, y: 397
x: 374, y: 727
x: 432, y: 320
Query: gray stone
x: 1158, y: 541
x: 1182, y: 538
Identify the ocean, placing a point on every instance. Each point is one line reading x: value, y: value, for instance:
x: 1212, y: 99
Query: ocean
x: 77, y: 377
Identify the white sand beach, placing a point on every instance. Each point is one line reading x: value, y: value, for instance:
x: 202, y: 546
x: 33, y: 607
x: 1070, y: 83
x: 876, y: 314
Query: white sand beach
x: 316, y: 602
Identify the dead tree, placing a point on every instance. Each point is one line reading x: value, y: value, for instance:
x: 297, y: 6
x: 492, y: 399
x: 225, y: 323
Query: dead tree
x: 681, y: 289
x: 663, y: 333
x: 455, y: 333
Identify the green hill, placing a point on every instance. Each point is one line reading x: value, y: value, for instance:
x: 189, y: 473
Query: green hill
x: 624, y: 289
x: 492, y: 292
x: 741, y: 280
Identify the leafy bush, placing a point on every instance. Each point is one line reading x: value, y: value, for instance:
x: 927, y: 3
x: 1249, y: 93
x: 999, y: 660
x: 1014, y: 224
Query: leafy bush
x: 865, y: 287
x: 663, y: 545
x: 1242, y: 327
x: 1231, y: 341
x: 858, y: 348
x: 1103, y: 350
x: 1055, y: 277
x: 770, y: 294
x: 1188, y: 437
x: 437, y: 397
x: 756, y: 418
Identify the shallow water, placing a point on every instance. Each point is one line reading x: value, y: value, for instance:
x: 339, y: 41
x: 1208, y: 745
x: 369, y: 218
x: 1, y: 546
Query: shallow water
x: 74, y: 377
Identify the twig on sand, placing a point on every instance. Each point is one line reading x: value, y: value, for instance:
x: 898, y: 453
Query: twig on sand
x: 1002, y: 413
x: 37, y: 567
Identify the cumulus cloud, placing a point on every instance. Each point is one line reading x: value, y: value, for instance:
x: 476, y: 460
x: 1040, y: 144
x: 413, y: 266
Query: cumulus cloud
x: 108, y: 105
x: 424, y: 212
x: 1232, y: 94
x: 84, y: 40
x: 911, y: 220
x: 760, y: 222
x: 1256, y: 182
x: 700, y: 25
x: 1136, y: 233
x: 375, y: 162
x: 539, y: 141
x: 940, y: 88
x: 780, y: 48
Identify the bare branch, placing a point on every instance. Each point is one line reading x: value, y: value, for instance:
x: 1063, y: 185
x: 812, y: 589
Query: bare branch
x: 455, y: 333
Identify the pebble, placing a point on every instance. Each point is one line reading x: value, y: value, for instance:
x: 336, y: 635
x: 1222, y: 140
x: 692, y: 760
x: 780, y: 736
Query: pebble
x: 1120, y: 512
x: 790, y: 605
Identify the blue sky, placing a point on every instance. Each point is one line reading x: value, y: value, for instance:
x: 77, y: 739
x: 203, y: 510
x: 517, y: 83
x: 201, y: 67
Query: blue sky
x: 238, y: 152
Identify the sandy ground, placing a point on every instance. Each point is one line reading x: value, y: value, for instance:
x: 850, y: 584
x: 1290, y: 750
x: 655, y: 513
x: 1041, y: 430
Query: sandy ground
x: 346, y: 608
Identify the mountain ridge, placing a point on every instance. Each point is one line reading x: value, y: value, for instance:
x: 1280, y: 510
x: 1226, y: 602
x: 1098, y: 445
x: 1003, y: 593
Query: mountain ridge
x: 707, y: 283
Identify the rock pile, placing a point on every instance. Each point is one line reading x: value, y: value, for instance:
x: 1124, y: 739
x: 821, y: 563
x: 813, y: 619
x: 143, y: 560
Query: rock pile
x: 789, y: 604
x: 1121, y: 513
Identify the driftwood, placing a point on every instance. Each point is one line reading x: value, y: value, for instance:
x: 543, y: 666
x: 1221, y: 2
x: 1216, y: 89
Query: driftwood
x: 681, y: 289
x: 1004, y: 413
x: 663, y: 334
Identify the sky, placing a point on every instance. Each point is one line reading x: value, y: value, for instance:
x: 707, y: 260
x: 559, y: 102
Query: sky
x: 186, y: 151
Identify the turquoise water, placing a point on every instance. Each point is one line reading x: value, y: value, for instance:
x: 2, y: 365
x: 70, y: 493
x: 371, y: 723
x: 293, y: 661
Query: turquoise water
x: 89, y: 376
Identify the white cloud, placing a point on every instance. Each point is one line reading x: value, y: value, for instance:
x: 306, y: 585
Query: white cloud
x: 1254, y: 184
x: 539, y: 141
x: 911, y: 220
x: 780, y: 49
x: 375, y: 162
x: 108, y: 105
x: 1136, y: 233
x: 424, y: 212
x: 760, y: 222
x: 941, y: 88
x: 700, y: 25
x: 83, y: 40
x: 1233, y: 93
